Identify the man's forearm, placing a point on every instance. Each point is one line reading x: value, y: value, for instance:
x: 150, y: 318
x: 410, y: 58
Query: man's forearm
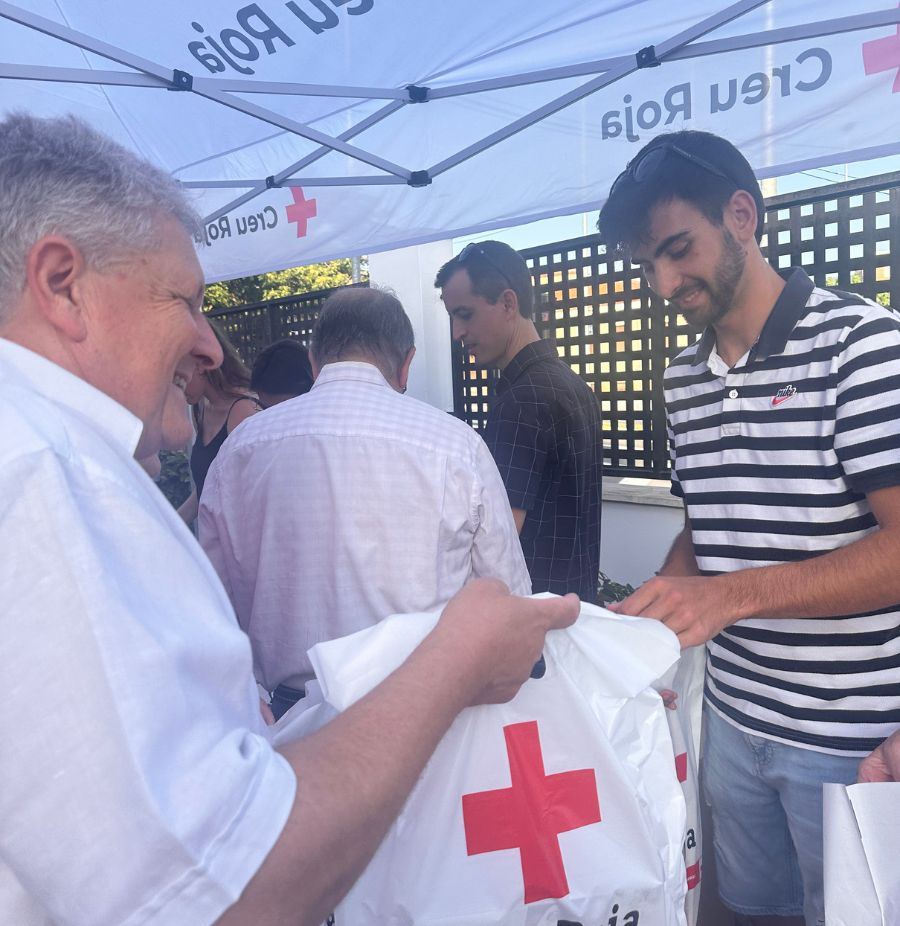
x: 519, y: 515
x: 352, y: 779
x: 859, y: 577
x: 863, y: 576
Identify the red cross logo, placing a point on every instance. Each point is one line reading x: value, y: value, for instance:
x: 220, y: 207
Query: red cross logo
x: 531, y: 814
x: 301, y: 210
x: 693, y: 875
x: 883, y: 55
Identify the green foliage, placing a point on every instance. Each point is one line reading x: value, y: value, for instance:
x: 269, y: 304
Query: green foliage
x: 612, y: 591
x: 232, y: 293
x: 280, y: 283
x: 856, y: 280
x: 175, y: 477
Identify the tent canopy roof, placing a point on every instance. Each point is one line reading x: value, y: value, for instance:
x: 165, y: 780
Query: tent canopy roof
x: 312, y: 129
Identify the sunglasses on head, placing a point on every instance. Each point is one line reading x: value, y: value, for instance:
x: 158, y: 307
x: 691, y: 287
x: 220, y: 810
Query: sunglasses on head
x: 648, y: 163
x: 475, y: 248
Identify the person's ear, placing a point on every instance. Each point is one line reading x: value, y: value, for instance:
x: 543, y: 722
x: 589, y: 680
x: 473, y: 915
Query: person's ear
x: 403, y: 372
x: 740, y: 215
x: 55, y: 278
x: 510, y: 303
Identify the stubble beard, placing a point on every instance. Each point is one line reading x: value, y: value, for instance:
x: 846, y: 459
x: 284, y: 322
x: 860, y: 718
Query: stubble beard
x: 727, y: 277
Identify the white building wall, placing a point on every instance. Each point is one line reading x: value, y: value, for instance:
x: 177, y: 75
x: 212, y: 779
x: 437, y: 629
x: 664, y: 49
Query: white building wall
x: 410, y: 273
x: 636, y: 537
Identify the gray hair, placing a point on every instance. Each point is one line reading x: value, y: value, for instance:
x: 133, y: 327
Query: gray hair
x: 358, y: 321
x: 59, y: 176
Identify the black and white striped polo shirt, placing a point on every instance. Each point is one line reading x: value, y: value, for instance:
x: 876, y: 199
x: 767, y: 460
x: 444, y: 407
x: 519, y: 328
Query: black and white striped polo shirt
x: 773, y: 459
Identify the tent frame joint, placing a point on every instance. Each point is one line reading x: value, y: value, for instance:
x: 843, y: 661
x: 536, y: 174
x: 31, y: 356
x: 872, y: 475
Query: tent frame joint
x: 646, y: 58
x: 417, y: 94
x: 419, y: 178
x: 272, y: 183
x: 181, y: 80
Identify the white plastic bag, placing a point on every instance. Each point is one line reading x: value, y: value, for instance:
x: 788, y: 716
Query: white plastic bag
x: 561, y: 806
x: 685, y: 681
x: 309, y: 714
x: 862, y: 848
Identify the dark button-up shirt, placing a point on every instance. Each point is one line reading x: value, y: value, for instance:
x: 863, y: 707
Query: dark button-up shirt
x: 544, y: 432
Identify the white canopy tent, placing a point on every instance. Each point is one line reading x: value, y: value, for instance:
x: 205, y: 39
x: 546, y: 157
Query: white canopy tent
x: 313, y: 129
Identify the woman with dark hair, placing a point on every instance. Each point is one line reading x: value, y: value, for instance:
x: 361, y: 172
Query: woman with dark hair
x: 222, y: 400
x: 281, y: 372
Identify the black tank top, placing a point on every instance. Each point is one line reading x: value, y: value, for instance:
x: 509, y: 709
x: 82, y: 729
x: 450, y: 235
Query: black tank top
x: 202, y: 454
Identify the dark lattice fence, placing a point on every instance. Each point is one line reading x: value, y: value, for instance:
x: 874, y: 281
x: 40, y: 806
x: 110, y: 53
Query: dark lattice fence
x: 619, y: 337
x: 251, y: 327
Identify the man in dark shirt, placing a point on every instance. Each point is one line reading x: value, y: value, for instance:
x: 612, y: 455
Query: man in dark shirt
x: 543, y: 427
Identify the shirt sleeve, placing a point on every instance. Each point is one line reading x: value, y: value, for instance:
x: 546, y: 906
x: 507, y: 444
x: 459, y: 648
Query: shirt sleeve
x: 212, y: 531
x: 675, y: 484
x: 519, y: 440
x: 137, y: 785
x: 496, y: 550
x: 867, y: 439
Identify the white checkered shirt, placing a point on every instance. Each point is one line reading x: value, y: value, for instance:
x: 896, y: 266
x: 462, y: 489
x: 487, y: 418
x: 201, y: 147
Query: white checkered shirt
x: 331, y: 511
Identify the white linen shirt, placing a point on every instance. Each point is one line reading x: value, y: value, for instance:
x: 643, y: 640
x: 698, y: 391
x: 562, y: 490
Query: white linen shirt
x: 137, y: 785
x: 331, y: 511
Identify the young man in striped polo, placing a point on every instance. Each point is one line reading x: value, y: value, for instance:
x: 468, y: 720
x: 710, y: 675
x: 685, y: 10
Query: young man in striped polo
x: 786, y: 452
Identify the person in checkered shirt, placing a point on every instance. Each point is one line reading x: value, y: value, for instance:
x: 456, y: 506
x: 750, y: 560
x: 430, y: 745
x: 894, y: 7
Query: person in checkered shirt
x: 543, y: 427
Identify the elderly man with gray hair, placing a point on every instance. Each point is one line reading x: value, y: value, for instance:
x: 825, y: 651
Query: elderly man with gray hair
x: 352, y: 502
x: 138, y: 783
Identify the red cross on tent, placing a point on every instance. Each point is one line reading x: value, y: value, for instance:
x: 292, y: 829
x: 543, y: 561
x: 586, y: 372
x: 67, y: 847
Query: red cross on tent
x: 883, y: 55
x: 301, y: 210
x: 530, y: 815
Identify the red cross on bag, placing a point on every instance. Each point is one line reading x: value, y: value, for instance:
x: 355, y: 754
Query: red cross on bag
x: 530, y: 815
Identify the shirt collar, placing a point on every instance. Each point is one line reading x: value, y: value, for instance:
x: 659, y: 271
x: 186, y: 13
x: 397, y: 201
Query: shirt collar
x: 112, y: 420
x: 542, y: 349
x: 783, y: 318
x: 350, y: 371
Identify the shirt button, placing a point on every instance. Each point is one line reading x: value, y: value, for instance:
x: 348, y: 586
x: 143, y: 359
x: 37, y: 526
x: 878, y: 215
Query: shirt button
x: 733, y: 394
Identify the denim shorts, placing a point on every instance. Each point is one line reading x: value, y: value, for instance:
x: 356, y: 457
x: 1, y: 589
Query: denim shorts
x: 765, y: 798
